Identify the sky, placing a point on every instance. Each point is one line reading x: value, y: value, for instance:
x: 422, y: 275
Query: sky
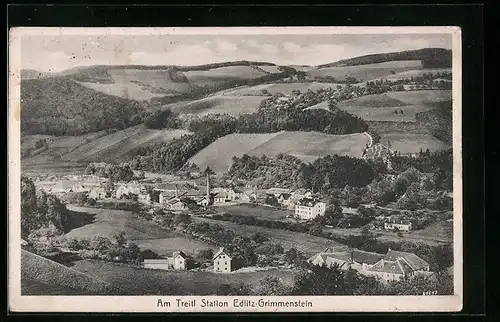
x: 56, y: 53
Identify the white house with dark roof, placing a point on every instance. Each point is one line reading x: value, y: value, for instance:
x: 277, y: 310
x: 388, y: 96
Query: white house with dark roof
x: 220, y: 198
x: 401, y: 225
x: 222, y: 261
x: 396, y: 264
x: 178, y: 261
x: 309, y: 209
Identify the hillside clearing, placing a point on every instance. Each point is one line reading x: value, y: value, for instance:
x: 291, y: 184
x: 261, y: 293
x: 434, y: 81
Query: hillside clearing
x: 38, y: 272
x: 221, y: 104
x: 219, y: 154
x: 412, y: 143
x: 222, y: 74
x: 260, y: 212
x: 307, y: 146
x: 368, y: 71
x: 308, y: 244
x: 374, y: 100
x: 417, y: 73
x: 422, y: 97
x: 108, y: 222
x: 115, y: 147
x: 387, y: 114
x: 129, y: 280
x: 284, y: 88
x: 166, y: 246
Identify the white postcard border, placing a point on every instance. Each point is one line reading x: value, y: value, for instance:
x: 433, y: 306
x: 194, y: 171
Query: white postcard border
x: 19, y: 303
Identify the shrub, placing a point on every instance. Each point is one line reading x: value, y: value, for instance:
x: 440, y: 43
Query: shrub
x: 77, y: 244
x: 89, y: 254
x: 100, y: 243
x: 206, y: 253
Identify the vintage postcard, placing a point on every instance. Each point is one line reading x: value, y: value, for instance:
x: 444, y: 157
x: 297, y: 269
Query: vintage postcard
x: 311, y: 169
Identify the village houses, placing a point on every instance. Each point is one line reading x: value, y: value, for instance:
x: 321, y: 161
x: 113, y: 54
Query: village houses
x: 401, y: 225
x: 98, y: 193
x: 392, y: 266
x: 177, y: 262
x: 248, y: 196
x: 307, y: 209
x: 222, y: 261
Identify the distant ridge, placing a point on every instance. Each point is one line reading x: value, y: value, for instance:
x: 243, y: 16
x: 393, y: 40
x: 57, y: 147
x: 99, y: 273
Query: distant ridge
x: 430, y: 57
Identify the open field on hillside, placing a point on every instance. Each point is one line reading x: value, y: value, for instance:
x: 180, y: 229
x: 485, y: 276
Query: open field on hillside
x: 387, y: 113
x: 374, y: 100
x: 307, y: 146
x: 284, y: 88
x: 127, y: 90
x: 260, y: 212
x: 141, y: 84
x: 306, y: 243
x: 222, y: 74
x: 41, y: 276
x: 108, y: 222
x: 422, y: 97
x: 270, y: 69
x: 115, y: 147
x: 77, y: 151
x: 128, y: 280
x: 440, y: 230
x: 233, y: 105
x: 322, y: 105
x: 412, y: 143
x: 417, y: 73
x: 166, y: 246
x: 218, y: 155
x: 368, y: 71
x: 59, y: 145
x: 40, y: 166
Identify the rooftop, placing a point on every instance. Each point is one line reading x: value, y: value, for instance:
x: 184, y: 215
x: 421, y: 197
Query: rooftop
x: 413, y: 260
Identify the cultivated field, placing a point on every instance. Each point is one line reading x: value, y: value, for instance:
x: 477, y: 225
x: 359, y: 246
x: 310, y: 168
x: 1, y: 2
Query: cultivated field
x: 141, y: 84
x: 374, y: 100
x: 220, y: 104
x: 115, y: 147
x: 222, y: 74
x: 387, y: 113
x: 41, y: 276
x: 422, y: 97
x: 417, y: 73
x: 307, y: 146
x: 260, y: 212
x: 108, y: 222
x: 128, y: 280
x: 166, y: 246
x: 306, y: 243
x: 270, y: 69
x: 284, y: 88
x: 368, y: 71
x: 439, y: 230
x: 406, y: 143
x: 218, y: 155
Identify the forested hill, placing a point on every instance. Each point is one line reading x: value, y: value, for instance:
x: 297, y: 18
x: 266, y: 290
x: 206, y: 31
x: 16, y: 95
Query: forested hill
x: 61, y: 106
x: 430, y: 57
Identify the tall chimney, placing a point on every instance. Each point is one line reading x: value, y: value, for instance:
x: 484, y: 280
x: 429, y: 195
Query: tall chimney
x: 208, y: 186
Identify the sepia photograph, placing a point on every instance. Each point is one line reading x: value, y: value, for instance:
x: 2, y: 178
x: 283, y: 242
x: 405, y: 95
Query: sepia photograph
x: 235, y: 169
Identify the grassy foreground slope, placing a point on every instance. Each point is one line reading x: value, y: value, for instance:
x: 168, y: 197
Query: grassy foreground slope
x: 128, y: 280
x: 41, y: 276
x: 307, y: 146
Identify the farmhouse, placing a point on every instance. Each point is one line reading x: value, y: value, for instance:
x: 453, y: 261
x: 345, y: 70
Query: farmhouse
x: 392, y: 266
x: 128, y: 189
x: 166, y: 196
x: 347, y: 259
x: 347, y: 211
x: 98, y: 193
x: 302, y: 193
x: 309, y: 209
x: 401, y: 225
x: 78, y: 187
x: 220, y: 198
x: 175, y: 204
x: 277, y: 192
x: 248, y: 197
x: 222, y: 261
x: 178, y: 261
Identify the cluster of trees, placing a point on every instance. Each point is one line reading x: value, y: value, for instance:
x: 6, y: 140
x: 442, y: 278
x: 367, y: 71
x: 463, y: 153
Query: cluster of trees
x: 61, y: 106
x: 117, y: 249
x: 322, y: 175
x: 40, y: 210
x: 437, y: 57
x: 439, y: 163
x: 114, y: 172
x: 162, y: 119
